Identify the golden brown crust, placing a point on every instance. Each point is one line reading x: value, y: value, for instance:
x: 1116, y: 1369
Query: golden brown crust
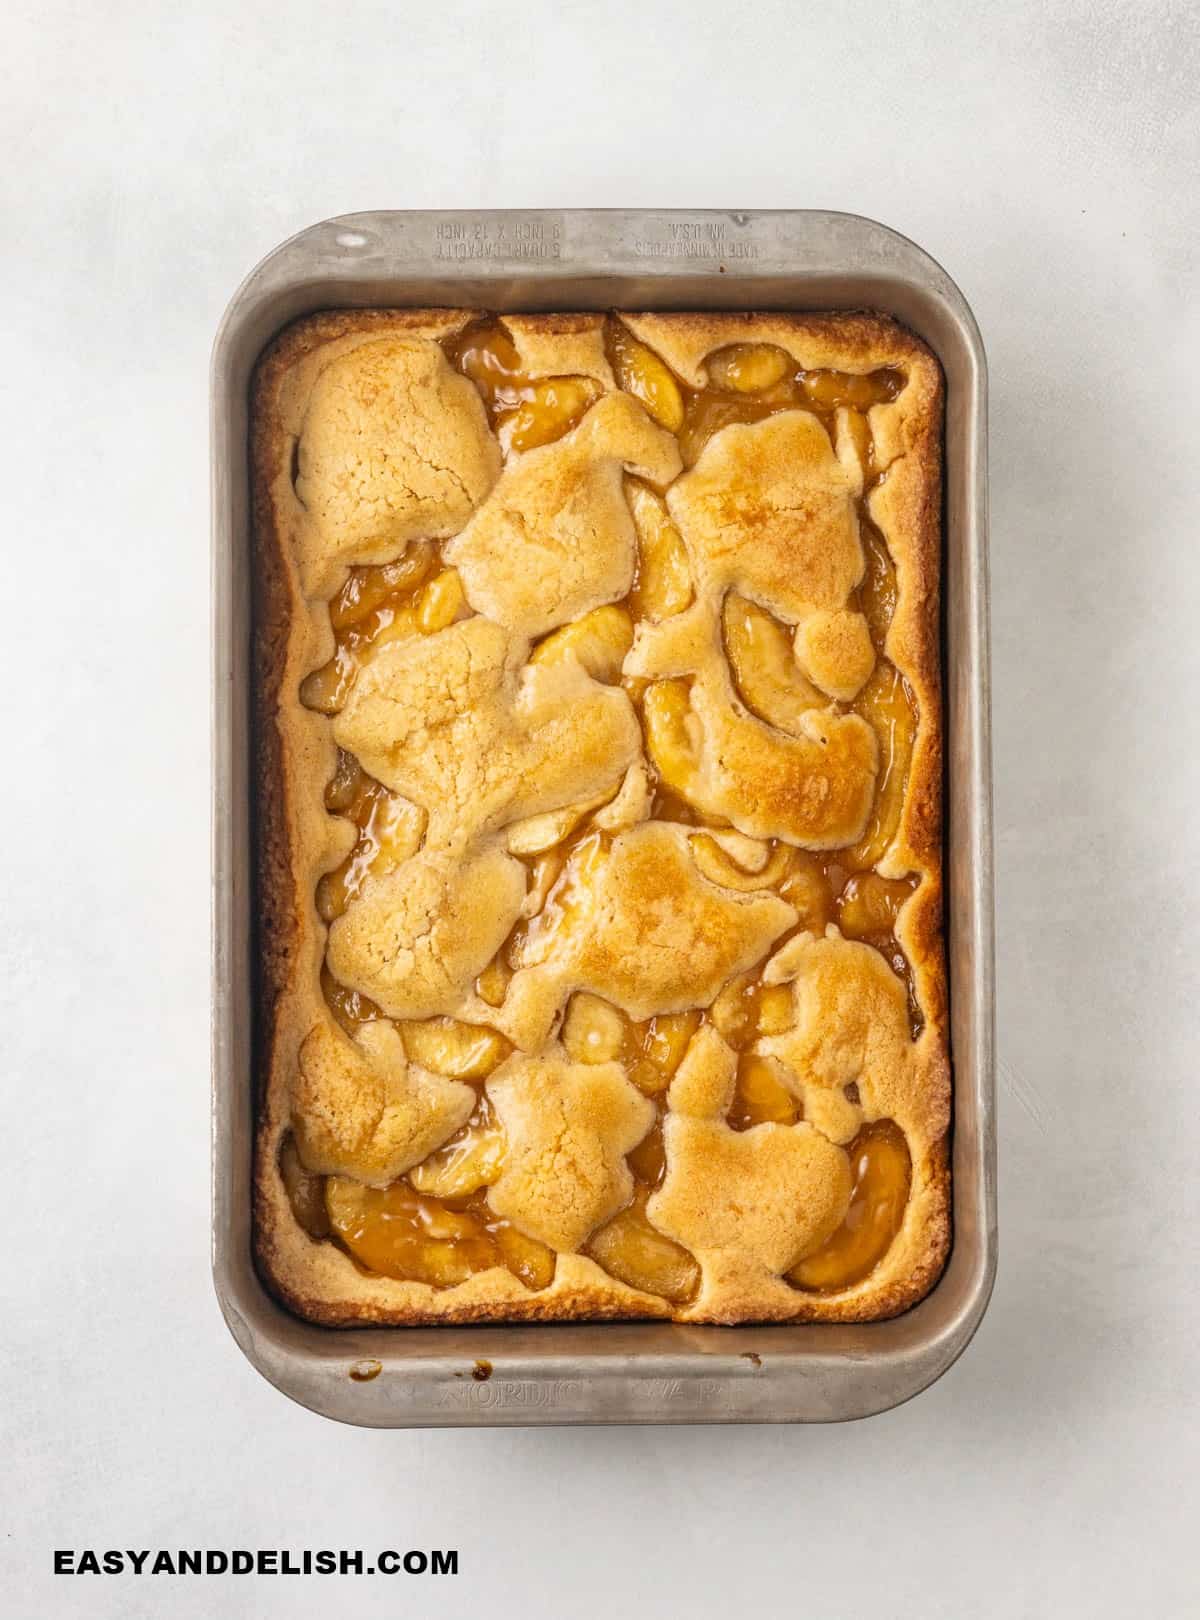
x: 293, y: 758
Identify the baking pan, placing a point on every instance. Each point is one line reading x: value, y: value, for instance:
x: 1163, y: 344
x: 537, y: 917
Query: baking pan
x: 643, y: 1372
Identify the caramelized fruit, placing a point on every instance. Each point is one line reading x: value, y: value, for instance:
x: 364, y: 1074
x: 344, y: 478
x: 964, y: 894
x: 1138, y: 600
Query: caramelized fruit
x: 886, y: 702
x: 532, y: 1262
x: 549, y: 409
x: 736, y: 1011
x: 472, y: 1158
x: 599, y: 640
x: 640, y: 372
x: 764, y: 669
x: 525, y: 412
x: 459, y: 1051
x: 747, y: 1008
x: 306, y: 1193
x: 741, y: 392
x: 396, y: 1232
x: 635, y: 1252
x: 440, y: 602
x: 648, y: 1161
x: 370, y: 590
x: 760, y: 1095
x: 877, y: 590
x: 350, y: 1007
x: 376, y: 604
x: 566, y: 876
x: 492, y: 984
x: 389, y: 830
x: 748, y: 368
x: 594, y: 1031
x: 666, y: 708
x: 486, y: 354
x: 829, y: 390
x: 662, y: 584
x: 869, y: 904
x: 708, y: 413
x: 882, y: 1172
x: 810, y: 888
x: 654, y: 1049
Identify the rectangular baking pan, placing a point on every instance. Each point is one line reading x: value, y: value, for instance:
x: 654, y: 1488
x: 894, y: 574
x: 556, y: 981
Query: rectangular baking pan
x: 632, y: 1372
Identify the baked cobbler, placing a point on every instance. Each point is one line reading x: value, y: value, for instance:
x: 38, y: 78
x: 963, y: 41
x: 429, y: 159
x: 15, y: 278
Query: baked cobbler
x: 599, y: 760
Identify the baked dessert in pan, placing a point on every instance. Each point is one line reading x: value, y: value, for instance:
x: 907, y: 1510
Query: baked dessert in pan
x: 599, y: 800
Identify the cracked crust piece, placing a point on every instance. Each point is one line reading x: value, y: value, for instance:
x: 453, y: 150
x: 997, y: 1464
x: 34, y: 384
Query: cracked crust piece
x: 599, y: 818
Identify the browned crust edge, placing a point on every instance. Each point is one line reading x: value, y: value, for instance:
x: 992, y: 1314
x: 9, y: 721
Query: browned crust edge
x: 858, y: 334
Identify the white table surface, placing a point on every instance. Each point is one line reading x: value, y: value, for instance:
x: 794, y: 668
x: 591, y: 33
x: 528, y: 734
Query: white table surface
x: 1047, y: 155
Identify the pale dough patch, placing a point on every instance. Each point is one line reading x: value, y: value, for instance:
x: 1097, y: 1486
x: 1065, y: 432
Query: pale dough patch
x: 769, y: 508
x: 394, y: 446
x: 568, y: 1128
x: 834, y: 650
x: 450, y: 724
x: 767, y: 1195
x: 555, y: 539
x: 416, y: 939
x: 815, y: 789
x: 643, y: 928
x: 360, y: 1109
x: 762, y: 1197
x: 851, y: 1024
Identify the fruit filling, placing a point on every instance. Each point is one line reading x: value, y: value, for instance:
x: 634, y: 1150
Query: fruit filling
x: 389, y: 830
x: 882, y: 1175
x: 380, y: 603
x: 630, y: 1248
x: 524, y: 411
x: 396, y: 1232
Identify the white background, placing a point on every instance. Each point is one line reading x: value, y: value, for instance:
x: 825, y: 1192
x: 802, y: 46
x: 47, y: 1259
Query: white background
x: 1047, y: 155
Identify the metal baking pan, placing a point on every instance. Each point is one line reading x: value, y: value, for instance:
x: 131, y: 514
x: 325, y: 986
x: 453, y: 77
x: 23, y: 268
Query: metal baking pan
x: 649, y: 1372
